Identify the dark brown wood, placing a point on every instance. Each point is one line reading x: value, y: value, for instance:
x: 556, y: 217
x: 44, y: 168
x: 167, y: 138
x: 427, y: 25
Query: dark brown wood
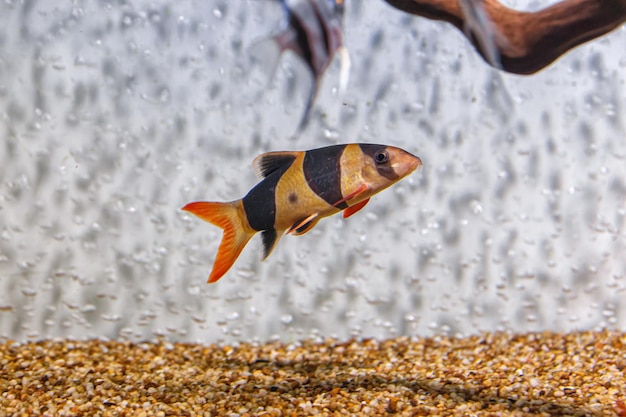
x: 530, y: 41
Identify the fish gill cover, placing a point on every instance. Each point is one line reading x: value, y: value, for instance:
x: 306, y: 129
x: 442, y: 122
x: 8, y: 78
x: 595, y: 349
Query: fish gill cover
x: 114, y: 115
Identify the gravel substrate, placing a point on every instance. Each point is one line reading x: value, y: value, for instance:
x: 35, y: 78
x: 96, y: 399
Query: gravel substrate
x: 577, y: 374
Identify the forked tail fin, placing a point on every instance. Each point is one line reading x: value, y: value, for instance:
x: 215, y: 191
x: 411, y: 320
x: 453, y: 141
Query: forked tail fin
x: 230, y: 217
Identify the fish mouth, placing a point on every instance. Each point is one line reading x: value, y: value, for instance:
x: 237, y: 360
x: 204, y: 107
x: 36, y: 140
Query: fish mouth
x: 406, y: 164
x: 412, y: 162
x: 415, y: 163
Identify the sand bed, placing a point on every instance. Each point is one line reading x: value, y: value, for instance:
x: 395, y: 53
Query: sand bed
x: 488, y: 375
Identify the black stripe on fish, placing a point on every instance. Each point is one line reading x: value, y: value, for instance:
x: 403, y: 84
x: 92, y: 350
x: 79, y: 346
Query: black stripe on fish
x: 322, y: 171
x: 385, y: 169
x: 260, y: 203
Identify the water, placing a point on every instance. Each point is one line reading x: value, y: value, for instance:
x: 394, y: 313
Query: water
x: 113, y: 116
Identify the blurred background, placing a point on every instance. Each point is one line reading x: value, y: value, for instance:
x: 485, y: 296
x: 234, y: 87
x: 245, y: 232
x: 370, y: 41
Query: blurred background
x: 113, y: 115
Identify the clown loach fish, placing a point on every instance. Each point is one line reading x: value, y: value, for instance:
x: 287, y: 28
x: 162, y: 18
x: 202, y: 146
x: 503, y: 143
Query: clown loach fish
x: 298, y: 189
x: 314, y: 32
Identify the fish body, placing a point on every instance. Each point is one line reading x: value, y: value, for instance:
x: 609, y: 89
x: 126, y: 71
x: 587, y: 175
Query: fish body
x: 314, y: 32
x: 298, y: 189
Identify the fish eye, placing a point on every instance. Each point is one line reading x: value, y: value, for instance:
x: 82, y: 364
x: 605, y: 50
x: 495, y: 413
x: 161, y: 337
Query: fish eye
x: 381, y: 157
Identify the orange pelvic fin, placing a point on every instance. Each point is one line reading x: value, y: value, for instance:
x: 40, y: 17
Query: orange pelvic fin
x: 228, y: 216
x: 305, y: 225
x: 353, y: 209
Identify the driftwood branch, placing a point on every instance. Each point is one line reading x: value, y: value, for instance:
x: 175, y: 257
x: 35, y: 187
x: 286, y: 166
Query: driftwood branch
x: 529, y: 41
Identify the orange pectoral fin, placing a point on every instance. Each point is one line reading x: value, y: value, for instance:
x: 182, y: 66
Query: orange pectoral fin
x: 363, y: 188
x: 353, y: 209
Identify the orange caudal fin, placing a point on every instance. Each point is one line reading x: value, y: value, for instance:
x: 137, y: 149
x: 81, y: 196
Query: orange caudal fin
x: 228, y: 216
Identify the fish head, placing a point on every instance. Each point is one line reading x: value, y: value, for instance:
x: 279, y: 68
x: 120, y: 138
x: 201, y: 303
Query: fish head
x: 385, y: 165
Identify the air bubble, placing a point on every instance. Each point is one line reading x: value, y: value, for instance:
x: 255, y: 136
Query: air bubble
x: 245, y: 272
x: 476, y: 207
x: 29, y: 292
x: 410, y: 318
x: 126, y: 332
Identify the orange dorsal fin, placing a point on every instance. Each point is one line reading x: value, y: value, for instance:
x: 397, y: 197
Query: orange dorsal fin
x: 353, y: 209
x: 228, y: 216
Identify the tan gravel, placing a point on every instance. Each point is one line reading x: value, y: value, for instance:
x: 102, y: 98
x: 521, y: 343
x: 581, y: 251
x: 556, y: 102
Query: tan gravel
x: 546, y: 374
